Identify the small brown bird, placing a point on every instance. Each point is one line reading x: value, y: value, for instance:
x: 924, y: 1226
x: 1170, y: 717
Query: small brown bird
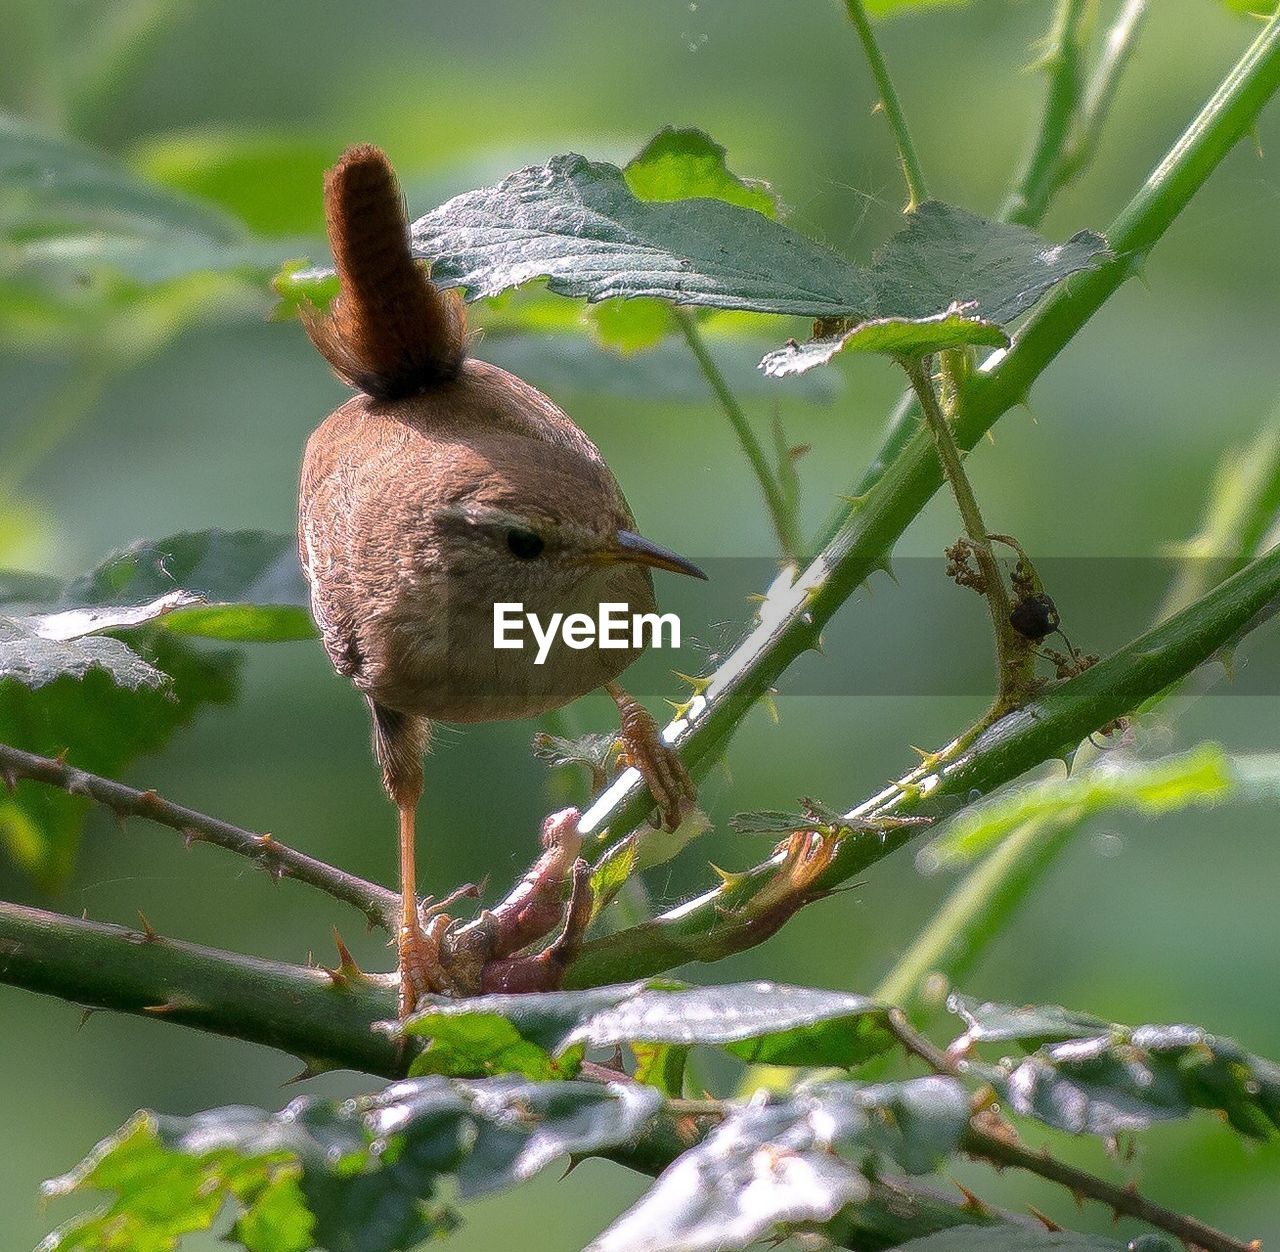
x: 445, y: 486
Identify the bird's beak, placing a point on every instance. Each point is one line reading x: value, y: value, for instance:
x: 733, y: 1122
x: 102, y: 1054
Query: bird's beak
x: 641, y: 551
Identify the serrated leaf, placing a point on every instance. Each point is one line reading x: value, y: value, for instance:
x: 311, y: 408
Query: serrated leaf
x: 355, y: 1176
x: 1030, y: 1025
x: 949, y: 278
x: 767, y: 1170
x: 1092, y: 1077
x: 29, y: 658
x: 242, y: 586
x: 103, y: 703
x: 763, y: 1022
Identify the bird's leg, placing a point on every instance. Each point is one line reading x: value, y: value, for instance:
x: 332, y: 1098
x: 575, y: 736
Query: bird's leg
x: 658, y: 762
x: 399, y: 740
x: 419, y: 949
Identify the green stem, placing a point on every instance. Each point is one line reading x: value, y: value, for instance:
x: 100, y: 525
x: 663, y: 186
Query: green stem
x: 792, y: 620
x: 721, y: 922
x: 1064, y: 55
x: 325, y: 1021
x: 1011, y: 656
x: 911, y: 168
x: 783, y: 517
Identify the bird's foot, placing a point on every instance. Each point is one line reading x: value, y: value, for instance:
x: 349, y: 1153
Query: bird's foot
x: 422, y: 971
x: 658, y: 762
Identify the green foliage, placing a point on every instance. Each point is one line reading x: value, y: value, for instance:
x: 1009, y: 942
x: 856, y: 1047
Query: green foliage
x: 1201, y: 776
x: 86, y: 235
x: 578, y: 225
x: 355, y: 1176
x: 1088, y: 1077
x: 67, y: 686
x: 548, y: 1035
x: 768, y: 1170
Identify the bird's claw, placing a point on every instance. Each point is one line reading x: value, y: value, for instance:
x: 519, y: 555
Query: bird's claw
x: 659, y: 764
x: 422, y: 969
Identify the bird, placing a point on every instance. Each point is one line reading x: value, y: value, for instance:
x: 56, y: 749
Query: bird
x: 443, y: 486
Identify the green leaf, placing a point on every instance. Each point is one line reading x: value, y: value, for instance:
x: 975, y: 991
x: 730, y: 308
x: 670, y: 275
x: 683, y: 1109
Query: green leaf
x: 1031, y: 1025
x: 891, y: 336
x: 103, y: 703
x: 105, y: 699
x: 768, y: 1170
x: 682, y: 164
x: 86, y: 237
x: 577, y: 224
x: 353, y: 1176
x: 1091, y: 1077
x: 1203, y: 776
x: 242, y: 585
x: 548, y: 1034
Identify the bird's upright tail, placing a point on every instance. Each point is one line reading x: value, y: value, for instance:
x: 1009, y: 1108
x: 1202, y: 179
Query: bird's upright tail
x: 390, y: 332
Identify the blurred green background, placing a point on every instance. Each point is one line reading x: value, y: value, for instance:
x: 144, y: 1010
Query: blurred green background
x: 202, y: 426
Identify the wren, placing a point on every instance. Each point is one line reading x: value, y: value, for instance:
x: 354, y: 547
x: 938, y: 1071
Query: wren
x: 446, y: 485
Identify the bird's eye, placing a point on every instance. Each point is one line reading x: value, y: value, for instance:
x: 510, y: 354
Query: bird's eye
x: 524, y: 545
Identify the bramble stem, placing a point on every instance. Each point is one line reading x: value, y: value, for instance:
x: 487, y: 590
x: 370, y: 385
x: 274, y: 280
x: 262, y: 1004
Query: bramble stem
x: 783, y: 517
x: 378, y: 904
x: 326, y: 1020
x: 717, y: 923
x: 911, y: 168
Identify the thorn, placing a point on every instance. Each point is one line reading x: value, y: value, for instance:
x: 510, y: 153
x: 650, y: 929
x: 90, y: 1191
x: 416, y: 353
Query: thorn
x: 771, y: 705
x: 971, y: 1202
x: 347, y: 967
x: 84, y: 1017
x: 61, y: 758
x: 121, y: 816
x: 149, y: 932
x: 728, y: 879
x: 10, y: 779
x: 84, y: 913
x: 189, y: 837
x: 699, y: 685
x: 265, y: 838
x: 148, y: 797
x: 1047, y: 1222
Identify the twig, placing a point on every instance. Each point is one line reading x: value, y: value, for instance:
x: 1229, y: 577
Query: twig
x: 377, y: 903
x: 999, y: 1150
x: 1014, y: 661
x: 911, y: 168
x: 783, y: 517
